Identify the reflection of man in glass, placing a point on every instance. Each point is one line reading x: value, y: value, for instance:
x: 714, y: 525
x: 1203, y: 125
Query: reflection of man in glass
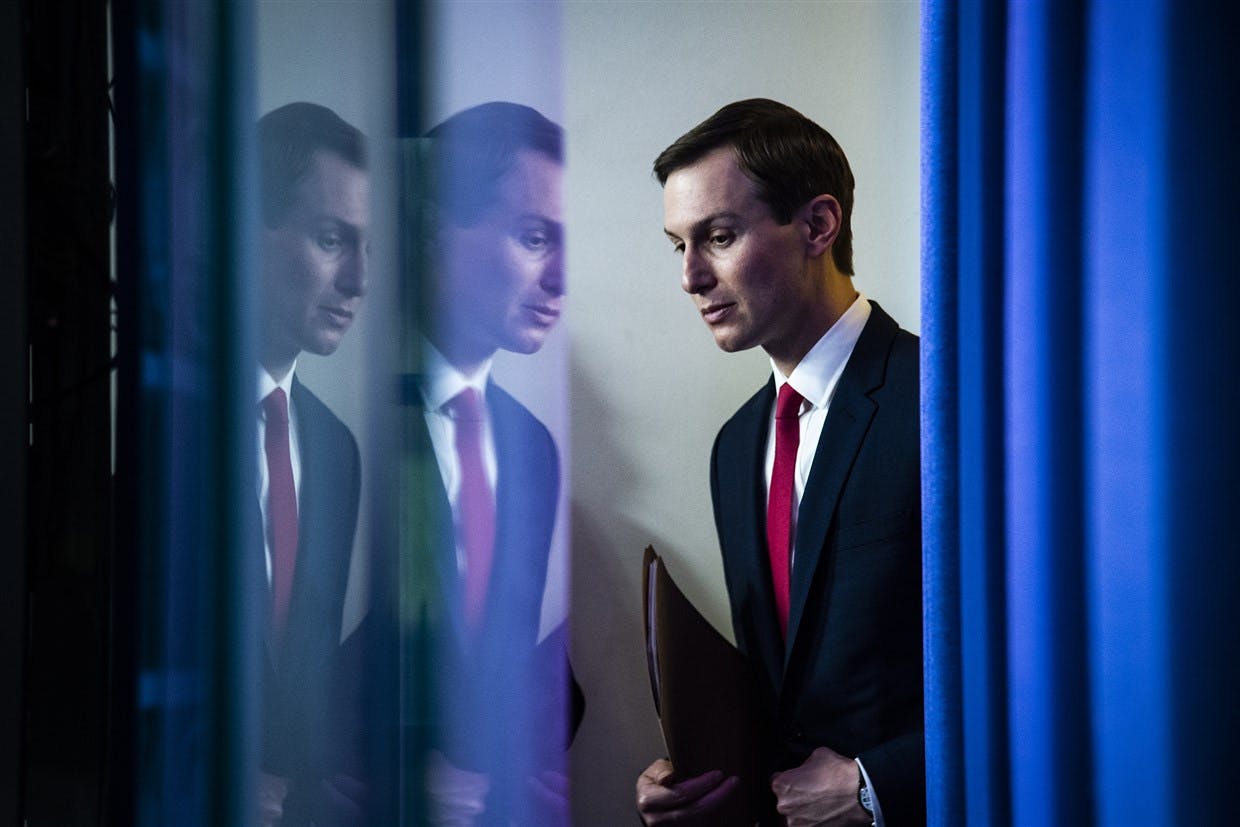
x: 316, y: 219
x: 494, y: 280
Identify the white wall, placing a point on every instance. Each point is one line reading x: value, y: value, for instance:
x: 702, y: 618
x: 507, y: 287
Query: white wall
x: 648, y: 387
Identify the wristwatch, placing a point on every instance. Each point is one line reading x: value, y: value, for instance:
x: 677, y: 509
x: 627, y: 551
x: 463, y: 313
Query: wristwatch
x: 865, y: 797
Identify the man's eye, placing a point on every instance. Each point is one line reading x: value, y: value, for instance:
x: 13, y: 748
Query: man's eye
x: 535, y: 241
x: 721, y: 239
x: 678, y: 248
x: 330, y: 242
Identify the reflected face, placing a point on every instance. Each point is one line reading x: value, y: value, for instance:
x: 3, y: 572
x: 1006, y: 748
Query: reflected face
x: 314, y: 263
x: 746, y: 273
x: 500, y: 282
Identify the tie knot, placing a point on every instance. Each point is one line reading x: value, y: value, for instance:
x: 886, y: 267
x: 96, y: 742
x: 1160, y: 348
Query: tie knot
x: 465, y: 405
x: 275, y: 407
x: 788, y: 406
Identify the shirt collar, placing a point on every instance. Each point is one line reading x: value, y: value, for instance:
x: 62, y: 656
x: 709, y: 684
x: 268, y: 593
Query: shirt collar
x: 266, y: 384
x: 817, y: 374
x: 441, y: 381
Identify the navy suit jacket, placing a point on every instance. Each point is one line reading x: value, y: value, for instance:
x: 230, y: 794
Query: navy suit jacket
x: 480, y: 686
x: 850, y: 676
x: 300, y: 718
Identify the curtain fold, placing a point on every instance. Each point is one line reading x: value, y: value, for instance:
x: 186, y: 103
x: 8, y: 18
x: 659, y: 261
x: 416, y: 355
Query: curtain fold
x: 940, y: 468
x: 1080, y: 458
x: 1042, y: 480
x: 1126, y: 370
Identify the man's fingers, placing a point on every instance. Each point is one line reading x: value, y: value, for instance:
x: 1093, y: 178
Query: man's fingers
x: 660, y: 772
x: 698, y: 787
x: 715, y: 797
x: 655, y: 797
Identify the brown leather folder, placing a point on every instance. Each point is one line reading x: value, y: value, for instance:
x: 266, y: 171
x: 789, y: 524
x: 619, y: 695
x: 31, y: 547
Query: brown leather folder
x: 705, y: 694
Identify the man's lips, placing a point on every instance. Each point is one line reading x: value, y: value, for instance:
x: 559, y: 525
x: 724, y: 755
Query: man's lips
x: 339, y: 316
x: 544, y: 314
x: 716, y: 312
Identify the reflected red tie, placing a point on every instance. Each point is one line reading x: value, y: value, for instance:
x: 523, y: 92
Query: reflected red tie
x: 281, y: 509
x: 475, y: 512
x: 779, y: 504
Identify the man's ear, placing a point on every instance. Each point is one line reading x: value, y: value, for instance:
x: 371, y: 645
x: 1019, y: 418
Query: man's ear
x: 822, y: 216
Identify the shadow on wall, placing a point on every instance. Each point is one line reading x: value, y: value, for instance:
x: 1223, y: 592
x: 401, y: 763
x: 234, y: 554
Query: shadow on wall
x: 619, y: 736
x: 607, y: 645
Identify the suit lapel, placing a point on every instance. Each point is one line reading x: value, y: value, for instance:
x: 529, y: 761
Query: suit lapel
x: 309, y: 514
x: 312, y: 512
x: 508, y: 485
x: 514, y: 567
x: 852, y: 409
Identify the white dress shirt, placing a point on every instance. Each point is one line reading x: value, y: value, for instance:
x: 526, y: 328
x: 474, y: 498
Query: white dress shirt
x: 815, y: 378
x: 265, y: 386
x: 440, y: 383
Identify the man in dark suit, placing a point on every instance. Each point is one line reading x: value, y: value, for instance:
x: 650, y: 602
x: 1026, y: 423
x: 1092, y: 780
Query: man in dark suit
x: 815, y: 480
x: 484, y: 475
x: 316, y: 225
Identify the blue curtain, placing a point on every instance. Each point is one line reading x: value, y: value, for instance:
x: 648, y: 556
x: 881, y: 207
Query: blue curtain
x: 1081, y: 401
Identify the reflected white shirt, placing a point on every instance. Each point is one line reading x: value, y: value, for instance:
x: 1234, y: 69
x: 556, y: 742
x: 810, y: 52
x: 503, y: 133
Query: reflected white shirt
x: 440, y: 383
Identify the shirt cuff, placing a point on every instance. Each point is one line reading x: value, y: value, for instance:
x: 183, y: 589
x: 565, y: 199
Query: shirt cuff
x: 878, y: 810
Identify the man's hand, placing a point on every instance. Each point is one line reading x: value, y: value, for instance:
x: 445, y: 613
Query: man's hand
x: 455, y: 797
x: 823, y: 790
x: 272, y: 790
x: 691, y: 801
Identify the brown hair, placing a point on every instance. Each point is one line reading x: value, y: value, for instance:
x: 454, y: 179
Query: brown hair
x: 474, y: 149
x: 790, y: 158
x: 288, y: 137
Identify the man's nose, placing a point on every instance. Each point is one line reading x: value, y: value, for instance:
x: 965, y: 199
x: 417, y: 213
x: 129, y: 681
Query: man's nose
x: 552, y: 277
x: 696, y: 275
x: 351, y: 278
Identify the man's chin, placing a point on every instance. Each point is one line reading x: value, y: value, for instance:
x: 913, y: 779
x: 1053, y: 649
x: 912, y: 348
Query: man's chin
x: 729, y: 344
x: 323, y: 345
x: 527, y: 343
x: 729, y: 338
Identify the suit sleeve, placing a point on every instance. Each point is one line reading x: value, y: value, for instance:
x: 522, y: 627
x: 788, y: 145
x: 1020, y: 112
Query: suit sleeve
x: 898, y: 770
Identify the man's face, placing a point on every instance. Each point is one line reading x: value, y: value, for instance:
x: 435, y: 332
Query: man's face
x: 746, y: 272
x: 314, y: 263
x: 501, y: 281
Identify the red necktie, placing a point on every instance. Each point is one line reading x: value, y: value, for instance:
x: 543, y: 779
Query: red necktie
x: 475, y: 507
x: 281, y: 509
x: 779, y: 505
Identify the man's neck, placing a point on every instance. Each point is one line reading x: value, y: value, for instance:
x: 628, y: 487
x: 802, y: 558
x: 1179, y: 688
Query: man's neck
x: 278, y: 362
x: 465, y: 359
x: 278, y: 371
x: 837, y: 296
